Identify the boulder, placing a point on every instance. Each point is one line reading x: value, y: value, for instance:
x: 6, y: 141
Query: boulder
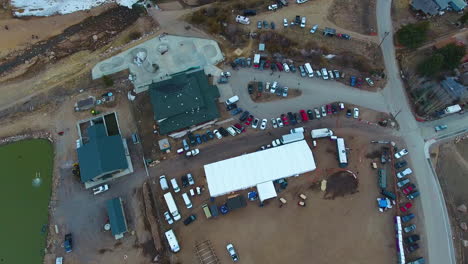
x: 465, y: 243
x: 462, y: 208
x: 463, y: 226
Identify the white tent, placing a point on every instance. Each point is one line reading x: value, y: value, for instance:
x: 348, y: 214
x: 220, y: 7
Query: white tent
x: 251, y: 169
x: 266, y: 190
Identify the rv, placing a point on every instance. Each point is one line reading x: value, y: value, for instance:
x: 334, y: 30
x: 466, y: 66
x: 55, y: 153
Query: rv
x: 172, y: 240
x: 171, y: 205
x: 342, y: 157
x: 290, y: 138
x: 320, y: 133
x: 242, y: 20
x: 309, y: 70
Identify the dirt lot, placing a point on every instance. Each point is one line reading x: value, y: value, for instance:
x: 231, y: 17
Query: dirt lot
x: 452, y: 165
x: 362, y: 19
x: 324, y: 223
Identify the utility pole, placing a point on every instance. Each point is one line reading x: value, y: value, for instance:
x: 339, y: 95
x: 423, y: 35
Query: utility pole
x: 385, y: 36
x: 397, y: 113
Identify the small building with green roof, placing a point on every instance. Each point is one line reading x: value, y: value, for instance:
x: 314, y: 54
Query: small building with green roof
x: 117, y: 218
x: 184, y: 100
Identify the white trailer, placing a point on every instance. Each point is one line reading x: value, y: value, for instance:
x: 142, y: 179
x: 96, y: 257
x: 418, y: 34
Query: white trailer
x: 293, y: 137
x: 171, y: 205
x: 309, y: 70
x: 256, y: 61
x: 242, y: 20
x: 172, y: 240
x: 321, y: 132
x: 453, y: 109
x: 342, y: 157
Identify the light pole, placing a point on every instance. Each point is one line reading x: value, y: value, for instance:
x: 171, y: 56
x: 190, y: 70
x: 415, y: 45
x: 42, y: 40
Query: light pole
x: 385, y: 35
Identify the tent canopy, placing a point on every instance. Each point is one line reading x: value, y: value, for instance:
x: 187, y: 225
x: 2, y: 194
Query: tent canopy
x: 266, y: 191
x: 248, y: 170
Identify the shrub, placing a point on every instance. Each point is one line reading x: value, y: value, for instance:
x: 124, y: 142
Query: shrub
x: 108, y: 82
x: 134, y: 35
x: 413, y: 35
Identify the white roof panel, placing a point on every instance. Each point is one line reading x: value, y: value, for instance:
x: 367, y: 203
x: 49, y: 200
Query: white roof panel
x: 266, y: 191
x: 248, y: 170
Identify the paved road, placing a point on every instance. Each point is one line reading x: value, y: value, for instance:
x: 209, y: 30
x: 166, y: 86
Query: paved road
x: 391, y: 99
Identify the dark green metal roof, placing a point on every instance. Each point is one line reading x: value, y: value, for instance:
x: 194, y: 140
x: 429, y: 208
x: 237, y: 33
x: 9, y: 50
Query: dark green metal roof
x: 184, y: 100
x: 101, y: 155
x: 116, y: 214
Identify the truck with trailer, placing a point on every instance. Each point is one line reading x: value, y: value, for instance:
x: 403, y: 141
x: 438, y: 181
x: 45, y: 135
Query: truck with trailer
x: 321, y: 132
x: 290, y: 138
x: 171, y: 205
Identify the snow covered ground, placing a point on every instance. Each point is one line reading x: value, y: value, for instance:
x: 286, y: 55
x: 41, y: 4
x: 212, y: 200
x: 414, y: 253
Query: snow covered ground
x: 54, y: 7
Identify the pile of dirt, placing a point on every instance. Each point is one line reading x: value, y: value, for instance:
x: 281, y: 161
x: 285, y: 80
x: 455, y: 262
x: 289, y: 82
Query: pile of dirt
x: 91, y: 34
x: 340, y: 184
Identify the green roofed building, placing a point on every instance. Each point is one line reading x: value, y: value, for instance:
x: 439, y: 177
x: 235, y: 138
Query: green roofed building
x: 117, y: 218
x: 185, y: 100
x: 102, y: 156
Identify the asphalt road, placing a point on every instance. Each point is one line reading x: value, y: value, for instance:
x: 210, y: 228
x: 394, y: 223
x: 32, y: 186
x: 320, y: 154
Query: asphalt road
x: 417, y: 136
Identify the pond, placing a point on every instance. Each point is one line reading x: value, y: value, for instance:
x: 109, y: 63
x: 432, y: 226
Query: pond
x: 24, y: 197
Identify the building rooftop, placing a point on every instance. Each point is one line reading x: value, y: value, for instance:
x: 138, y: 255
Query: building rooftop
x: 426, y: 6
x: 101, y: 155
x: 184, y: 100
x: 158, y: 58
x: 453, y: 87
x: 117, y: 217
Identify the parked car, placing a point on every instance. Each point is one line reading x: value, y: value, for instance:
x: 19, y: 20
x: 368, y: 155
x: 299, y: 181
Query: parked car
x: 408, y: 189
x: 409, y: 228
x: 285, y: 120
x: 369, y: 81
x: 303, y: 21
x: 192, y: 153
x: 359, y: 82
x: 352, y: 81
x: 239, y: 128
x: 264, y: 124
x: 168, y: 218
x: 250, y: 88
x: 292, y: 67
x: 68, y: 243
x: 304, y: 116
x: 297, y: 20
x: 400, y: 164
x: 345, y: 36
x: 273, y: 123
x: 317, y: 113
x: 184, y: 180
x: 401, y: 153
x: 341, y: 106
x: 192, y: 139
x: 204, y: 138
x: 413, y: 195
x: 280, y: 66
x: 100, y: 189
x: 330, y: 74
x: 272, y: 24
x: 407, y: 218
x: 223, y: 131
x: 198, y: 138
x: 265, y: 24
x: 285, y: 22
x: 440, y: 128
x: 272, y: 7
x: 190, y: 179
x: 310, y: 114
x: 405, y: 207
x: 356, y: 113
x: 413, y: 247
x: 249, y: 120
x: 314, y: 29
x: 217, y: 134
x: 403, y: 183
x: 259, y: 24
x: 337, y: 74
x: 404, y: 173
x: 232, y: 252
x: 285, y: 91
x: 244, y: 116
x: 348, y: 113
x: 329, y: 109
x: 318, y: 73
x: 302, y: 71
x: 412, y: 239
x: 334, y: 108
x: 324, y: 112
x: 255, y: 123
x: 190, y: 219
x: 186, y: 146
x: 280, y: 122
x: 163, y: 182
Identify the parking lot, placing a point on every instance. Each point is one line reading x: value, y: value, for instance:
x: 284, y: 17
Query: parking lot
x: 331, y: 226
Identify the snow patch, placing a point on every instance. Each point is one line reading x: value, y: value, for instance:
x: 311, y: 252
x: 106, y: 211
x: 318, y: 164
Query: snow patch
x: 54, y: 7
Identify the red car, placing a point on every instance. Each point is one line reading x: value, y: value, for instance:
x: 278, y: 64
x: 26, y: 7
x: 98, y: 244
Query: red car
x: 359, y: 82
x: 406, y: 207
x: 240, y: 127
x: 267, y: 64
x: 329, y: 109
x: 249, y: 120
x: 285, y: 119
x: 410, y: 188
x: 304, y: 116
x: 280, y: 67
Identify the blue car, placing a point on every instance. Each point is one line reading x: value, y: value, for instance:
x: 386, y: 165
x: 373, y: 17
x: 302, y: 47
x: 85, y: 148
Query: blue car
x: 407, y: 218
x: 236, y: 111
x: 68, y: 243
x: 352, y: 81
x: 198, y: 137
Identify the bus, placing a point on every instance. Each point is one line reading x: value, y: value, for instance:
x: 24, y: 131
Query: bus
x: 171, y: 205
x: 342, y: 158
x: 172, y: 240
x: 309, y: 70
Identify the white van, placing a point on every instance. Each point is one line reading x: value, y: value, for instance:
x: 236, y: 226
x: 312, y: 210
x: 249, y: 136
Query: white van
x: 187, y: 201
x: 297, y: 130
x: 172, y: 240
x: 231, y: 131
x: 324, y: 73
x: 285, y: 67
x: 175, y: 186
x: 163, y: 182
x: 273, y: 87
x: 309, y: 70
x: 232, y: 100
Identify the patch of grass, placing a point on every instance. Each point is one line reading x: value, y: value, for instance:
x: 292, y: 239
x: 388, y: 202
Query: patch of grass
x: 108, y: 82
x: 413, y: 35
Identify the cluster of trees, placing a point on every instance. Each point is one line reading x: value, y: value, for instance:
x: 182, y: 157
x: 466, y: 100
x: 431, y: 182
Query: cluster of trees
x: 413, y: 35
x: 444, y: 59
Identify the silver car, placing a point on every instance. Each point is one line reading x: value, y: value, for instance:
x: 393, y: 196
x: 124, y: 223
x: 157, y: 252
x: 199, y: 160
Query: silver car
x: 317, y: 113
x: 324, y: 112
